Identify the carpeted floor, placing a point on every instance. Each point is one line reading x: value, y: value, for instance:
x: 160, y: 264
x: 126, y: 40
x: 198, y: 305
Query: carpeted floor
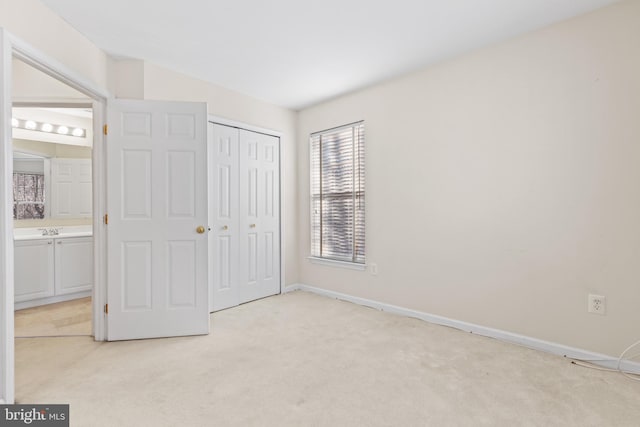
x: 304, y: 360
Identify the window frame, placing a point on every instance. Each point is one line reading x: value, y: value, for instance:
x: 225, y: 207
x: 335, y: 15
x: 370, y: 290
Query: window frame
x: 359, y: 193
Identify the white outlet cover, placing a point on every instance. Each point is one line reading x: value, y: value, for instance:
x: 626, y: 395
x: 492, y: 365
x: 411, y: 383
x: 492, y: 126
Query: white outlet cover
x: 373, y: 268
x: 597, y: 304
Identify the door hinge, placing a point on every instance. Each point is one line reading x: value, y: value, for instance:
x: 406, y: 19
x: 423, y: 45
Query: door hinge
x: 106, y: 308
x: 105, y: 129
x: 106, y: 219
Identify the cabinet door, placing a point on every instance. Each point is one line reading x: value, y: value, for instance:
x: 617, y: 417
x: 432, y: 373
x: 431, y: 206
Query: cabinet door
x: 33, y: 261
x: 73, y: 265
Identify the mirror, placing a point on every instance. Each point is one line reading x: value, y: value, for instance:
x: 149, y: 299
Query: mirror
x: 51, y: 181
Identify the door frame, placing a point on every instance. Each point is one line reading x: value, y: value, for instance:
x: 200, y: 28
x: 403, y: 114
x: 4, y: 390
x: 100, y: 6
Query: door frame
x: 13, y: 47
x: 241, y: 125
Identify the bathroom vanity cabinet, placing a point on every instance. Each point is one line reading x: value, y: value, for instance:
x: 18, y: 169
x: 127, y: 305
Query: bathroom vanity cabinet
x: 52, y: 269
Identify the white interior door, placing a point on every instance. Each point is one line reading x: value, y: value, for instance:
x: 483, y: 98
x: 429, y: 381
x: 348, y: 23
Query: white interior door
x: 157, y: 202
x: 259, y: 215
x: 245, y: 215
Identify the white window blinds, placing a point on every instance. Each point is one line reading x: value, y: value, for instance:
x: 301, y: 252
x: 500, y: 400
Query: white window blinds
x: 337, y: 194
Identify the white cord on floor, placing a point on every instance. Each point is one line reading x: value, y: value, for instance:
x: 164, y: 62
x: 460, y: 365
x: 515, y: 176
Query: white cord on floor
x: 589, y: 364
x: 631, y: 376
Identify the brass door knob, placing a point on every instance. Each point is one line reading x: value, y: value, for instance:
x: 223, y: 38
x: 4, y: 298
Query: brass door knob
x: 225, y: 227
x: 252, y: 226
x: 200, y: 229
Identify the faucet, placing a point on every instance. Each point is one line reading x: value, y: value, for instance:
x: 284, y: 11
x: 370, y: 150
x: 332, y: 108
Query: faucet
x: 50, y: 231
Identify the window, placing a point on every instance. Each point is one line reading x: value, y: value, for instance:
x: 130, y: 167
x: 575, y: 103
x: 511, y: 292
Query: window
x: 28, y: 196
x: 337, y: 194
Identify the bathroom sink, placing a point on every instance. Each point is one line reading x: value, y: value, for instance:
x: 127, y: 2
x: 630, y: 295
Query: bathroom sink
x: 49, y: 232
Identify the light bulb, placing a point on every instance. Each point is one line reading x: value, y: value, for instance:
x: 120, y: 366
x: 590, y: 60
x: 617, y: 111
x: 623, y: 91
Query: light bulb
x: 78, y: 132
x: 63, y: 130
x: 14, y: 122
x: 30, y: 124
x: 46, y: 127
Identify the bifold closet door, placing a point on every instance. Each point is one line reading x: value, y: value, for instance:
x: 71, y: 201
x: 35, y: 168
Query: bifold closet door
x: 259, y: 216
x: 244, y: 243
x: 224, y: 196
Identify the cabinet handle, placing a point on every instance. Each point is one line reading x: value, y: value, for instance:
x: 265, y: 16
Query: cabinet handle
x: 59, y: 242
x: 50, y: 243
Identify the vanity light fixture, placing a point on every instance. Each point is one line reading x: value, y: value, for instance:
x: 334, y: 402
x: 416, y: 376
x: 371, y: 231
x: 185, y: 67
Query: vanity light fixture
x: 48, y: 127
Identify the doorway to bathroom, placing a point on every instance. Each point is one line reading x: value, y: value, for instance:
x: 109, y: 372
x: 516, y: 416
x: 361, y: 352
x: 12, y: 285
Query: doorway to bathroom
x: 52, y: 209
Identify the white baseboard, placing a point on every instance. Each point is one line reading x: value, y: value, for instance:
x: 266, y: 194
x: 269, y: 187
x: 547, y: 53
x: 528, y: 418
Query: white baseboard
x: 525, y: 341
x: 51, y: 300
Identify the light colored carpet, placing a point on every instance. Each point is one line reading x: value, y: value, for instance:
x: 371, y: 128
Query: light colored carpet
x: 304, y: 360
x: 63, y: 318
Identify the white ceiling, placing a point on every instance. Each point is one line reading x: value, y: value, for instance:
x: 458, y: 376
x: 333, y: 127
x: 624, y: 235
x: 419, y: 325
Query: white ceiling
x: 296, y: 53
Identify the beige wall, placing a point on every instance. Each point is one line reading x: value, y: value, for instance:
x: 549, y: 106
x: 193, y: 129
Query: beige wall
x: 126, y: 78
x: 502, y: 187
x: 37, y: 25
x: 29, y: 84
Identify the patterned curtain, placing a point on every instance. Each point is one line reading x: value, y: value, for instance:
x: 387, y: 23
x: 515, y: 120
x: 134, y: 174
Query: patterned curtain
x: 28, y: 196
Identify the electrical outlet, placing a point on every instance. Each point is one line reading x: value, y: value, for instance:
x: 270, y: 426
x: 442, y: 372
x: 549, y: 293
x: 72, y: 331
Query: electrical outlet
x: 597, y: 304
x: 373, y: 268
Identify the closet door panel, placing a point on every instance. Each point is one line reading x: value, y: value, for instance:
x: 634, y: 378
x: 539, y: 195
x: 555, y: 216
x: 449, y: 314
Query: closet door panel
x: 223, y: 216
x: 259, y: 216
x: 270, y: 221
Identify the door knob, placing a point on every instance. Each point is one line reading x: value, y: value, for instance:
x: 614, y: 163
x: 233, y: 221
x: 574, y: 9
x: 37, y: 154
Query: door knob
x: 200, y: 229
x: 225, y: 227
x: 252, y: 226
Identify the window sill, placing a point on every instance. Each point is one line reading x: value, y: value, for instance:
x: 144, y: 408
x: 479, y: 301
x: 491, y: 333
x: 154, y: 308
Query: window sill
x: 335, y: 263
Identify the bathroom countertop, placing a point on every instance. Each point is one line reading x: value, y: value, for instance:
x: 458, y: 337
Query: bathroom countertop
x: 63, y: 232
